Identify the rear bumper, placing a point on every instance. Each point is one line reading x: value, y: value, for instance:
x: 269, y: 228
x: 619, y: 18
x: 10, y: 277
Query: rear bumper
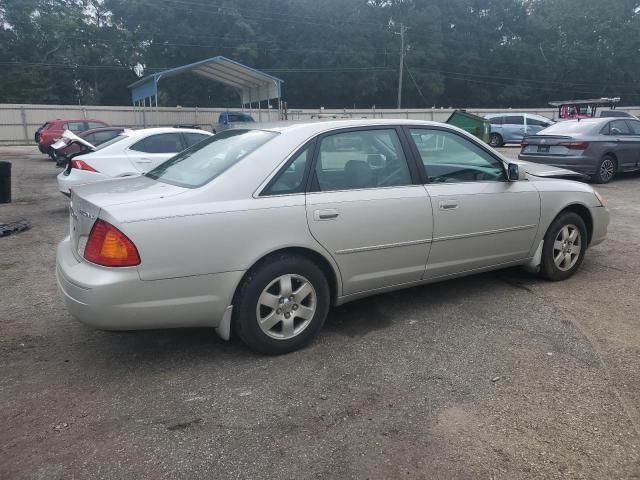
x: 580, y: 164
x: 116, y: 298
x: 600, y: 216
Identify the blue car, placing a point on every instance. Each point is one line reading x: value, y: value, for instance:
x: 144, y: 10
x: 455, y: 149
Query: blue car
x: 512, y: 127
x: 228, y: 120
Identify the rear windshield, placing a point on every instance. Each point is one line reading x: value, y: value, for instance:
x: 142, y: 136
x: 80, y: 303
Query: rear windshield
x: 568, y: 127
x: 111, y: 142
x: 205, y: 160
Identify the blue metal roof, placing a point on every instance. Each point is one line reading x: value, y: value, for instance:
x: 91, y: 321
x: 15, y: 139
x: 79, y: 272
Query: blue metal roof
x: 253, y: 84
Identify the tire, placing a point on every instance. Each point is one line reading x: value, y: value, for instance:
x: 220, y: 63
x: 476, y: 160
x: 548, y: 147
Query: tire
x: 495, y: 140
x: 557, y: 242
x: 606, y: 170
x: 268, y: 324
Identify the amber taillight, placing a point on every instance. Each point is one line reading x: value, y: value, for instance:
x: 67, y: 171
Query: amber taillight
x: 109, y: 247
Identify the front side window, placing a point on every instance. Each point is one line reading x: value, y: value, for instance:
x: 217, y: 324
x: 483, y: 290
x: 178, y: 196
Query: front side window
x: 96, y: 125
x: 361, y: 159
x: 496, y: 120
x: 76, y: 126
x: 537, y: 123
x: 619, y: 127
x: 204, y: 161
x: 159, y: 143
x: 514, y: 120
x: 634, y: 125
x: 291, y: 179
x: 450, y: 158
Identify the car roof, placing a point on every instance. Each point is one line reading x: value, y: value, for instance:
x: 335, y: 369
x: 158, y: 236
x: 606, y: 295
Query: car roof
x: 321, y: 126
x: 143, y: 132
x: 100, y: 129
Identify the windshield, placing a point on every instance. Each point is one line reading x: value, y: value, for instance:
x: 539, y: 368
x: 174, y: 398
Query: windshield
x: 205, y: 160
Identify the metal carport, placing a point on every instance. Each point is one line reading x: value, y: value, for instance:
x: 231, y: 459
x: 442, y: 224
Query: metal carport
x: 253, y: 86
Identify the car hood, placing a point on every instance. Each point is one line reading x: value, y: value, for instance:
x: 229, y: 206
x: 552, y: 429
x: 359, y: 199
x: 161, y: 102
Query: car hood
x: 121, y: 191
x: 547, y: 171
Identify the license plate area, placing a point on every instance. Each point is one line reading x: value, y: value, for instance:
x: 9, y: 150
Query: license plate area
x: 543, y: 148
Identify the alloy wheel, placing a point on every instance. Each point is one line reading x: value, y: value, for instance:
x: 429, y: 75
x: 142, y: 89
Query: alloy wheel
x: 286, y: 306
x: 607, y: 170
x: 567, y: 247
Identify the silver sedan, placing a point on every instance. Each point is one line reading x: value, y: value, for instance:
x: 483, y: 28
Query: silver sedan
x: 260, y: 231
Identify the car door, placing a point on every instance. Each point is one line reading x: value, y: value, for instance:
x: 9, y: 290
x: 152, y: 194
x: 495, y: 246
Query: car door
x: 365, y: 206
x: 625, y: 143
x: 480, y: 218
x: 533, y: 125
x: 634, y: 140
x: 513, y: 128
x: 151, y: 151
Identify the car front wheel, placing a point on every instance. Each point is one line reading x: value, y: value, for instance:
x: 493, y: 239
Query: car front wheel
x: 606, y: 170
x: 281, y: 304
x: 564, y: 247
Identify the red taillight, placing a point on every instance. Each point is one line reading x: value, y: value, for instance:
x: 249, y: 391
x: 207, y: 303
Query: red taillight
x: 109, y: 247
x: 82, y: 165
x: 575, y: 145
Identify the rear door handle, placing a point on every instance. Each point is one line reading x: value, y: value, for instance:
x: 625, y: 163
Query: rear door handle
x: 144, y: 160
x: 327, y: 214
x: 448, y: 204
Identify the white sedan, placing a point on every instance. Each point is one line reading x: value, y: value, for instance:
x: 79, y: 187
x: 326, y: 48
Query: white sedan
x: 132, y: 153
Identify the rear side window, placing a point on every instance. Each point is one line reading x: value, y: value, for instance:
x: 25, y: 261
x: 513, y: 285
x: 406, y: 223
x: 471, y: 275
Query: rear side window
x: 291, y: 179
x: 160, y: 143
x: 193, y: 138
x: 514, y: 120
x: 204, y: 161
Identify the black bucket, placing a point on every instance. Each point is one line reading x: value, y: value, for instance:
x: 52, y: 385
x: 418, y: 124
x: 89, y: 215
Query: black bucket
x: 5, y: 182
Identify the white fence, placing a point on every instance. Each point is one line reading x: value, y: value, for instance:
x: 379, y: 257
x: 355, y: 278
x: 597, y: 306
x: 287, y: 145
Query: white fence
x: 18, y: 123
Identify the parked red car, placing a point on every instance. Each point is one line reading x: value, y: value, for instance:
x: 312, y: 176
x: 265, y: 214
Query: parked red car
x: 53, y: 130
x: 95, y: 136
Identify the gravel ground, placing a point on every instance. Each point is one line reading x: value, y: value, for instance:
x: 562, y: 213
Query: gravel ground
x: 497, y: 376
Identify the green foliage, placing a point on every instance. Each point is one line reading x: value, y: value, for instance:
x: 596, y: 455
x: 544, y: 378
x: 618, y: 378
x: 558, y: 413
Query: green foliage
x: 336, y: 53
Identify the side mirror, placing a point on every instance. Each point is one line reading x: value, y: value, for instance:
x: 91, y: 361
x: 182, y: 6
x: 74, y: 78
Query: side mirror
x: 515, y: 173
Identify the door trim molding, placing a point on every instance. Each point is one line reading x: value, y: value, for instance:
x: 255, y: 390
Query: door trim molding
x: 488, y: 232
x: 382, y: 247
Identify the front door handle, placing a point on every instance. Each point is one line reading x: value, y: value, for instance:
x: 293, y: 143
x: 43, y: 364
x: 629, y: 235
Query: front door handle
x: 448, y: 204
x: 327, y: 214
x: 144, y: 160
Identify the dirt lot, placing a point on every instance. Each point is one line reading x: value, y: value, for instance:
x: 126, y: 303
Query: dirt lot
x: 499, y: 375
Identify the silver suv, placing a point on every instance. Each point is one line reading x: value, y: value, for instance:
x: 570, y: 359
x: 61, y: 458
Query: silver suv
x: 510, y: 127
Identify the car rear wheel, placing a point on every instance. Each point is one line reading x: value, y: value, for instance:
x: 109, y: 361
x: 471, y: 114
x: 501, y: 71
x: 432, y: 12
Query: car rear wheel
x: 281, y: 304
x: 565, y: 244
x: 606, y: 170
x: 495, y: 140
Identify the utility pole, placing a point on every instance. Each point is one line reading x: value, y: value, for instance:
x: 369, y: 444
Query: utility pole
x: 402, y: 31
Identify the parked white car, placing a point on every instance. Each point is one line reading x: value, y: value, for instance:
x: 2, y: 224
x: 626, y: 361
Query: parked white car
x: 132, y: 153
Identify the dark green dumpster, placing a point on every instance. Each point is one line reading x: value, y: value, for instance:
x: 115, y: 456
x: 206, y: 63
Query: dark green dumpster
x: 475, y: 125
x: 5, y: 182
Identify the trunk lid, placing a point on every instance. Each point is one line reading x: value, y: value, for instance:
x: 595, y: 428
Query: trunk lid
x: 88, y: 201
x: 546, y: 145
